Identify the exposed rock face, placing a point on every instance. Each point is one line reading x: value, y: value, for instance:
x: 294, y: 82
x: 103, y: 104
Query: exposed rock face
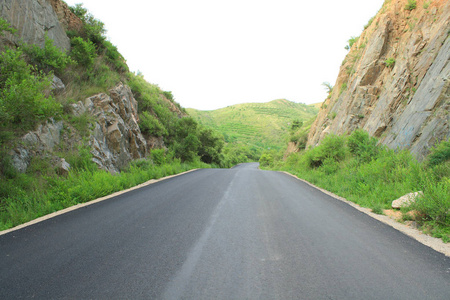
x: 68, y: 19
x: 43, y: 139
x: 33, y: 19
x: 116, y: 138
x: 395, y: 81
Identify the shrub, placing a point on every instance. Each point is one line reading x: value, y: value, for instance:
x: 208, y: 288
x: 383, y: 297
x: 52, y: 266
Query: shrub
x: 83, y: 52
x: 23, y: 99
x: 49, y: 58
x: 5, y: 26
x: 94, y: 29
x: 390, y: 62
x: 149, y: 124
x: 412, y: 4
x: 114, y: 57
x: 158, y: 156
x: 331, y: 147
x: 351, y: 41
x: 362, y: 146
x: 439, y: 154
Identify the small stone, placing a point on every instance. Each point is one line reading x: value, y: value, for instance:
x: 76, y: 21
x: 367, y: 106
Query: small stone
x: 406, y: 200
x: 57, y: 85
x: 63, y: 167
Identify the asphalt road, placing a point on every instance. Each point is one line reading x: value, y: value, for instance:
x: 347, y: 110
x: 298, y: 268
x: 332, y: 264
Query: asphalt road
x: 240, y: 233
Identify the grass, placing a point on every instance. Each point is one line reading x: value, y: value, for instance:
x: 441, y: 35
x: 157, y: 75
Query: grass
x: 373, y: 176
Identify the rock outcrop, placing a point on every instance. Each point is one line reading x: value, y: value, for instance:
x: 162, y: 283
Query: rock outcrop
x: 114, y: 135
x: 116, y: 138
x: 395, y: 81
x: 37, y: 142
x: 33, y: 19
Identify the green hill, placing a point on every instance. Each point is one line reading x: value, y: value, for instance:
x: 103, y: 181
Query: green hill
x: 257, y: 125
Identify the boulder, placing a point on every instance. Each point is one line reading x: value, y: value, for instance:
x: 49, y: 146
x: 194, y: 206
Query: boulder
x: 406, y: 200
x: 63, y: 167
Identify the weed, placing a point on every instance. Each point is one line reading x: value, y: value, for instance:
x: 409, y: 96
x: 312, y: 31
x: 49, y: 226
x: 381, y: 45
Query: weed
x: 412, y: 4
x: 390, y: 62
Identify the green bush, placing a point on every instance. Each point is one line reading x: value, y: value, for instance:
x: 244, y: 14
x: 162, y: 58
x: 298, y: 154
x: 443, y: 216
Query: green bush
x: 5, y: 26
x: 412, y: 4
x: 149, y: 124
x: 351, y: 41
x: 390, y: 62
x: 439, y: 154
x: 83, y: 52
x: 331, y: 147
x: 114, y: 57
x: 362, y: 145
x: 23, y: 94
x: 158, y: 156
x: 49, y: 58
x: 94, y: 29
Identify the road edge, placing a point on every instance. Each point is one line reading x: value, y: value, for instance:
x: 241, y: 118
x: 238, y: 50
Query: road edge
x: 84, y: 204
x: 432, y: 242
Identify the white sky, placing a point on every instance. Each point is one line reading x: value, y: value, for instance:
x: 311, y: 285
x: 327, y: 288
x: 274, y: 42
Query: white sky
x: 212, y: 54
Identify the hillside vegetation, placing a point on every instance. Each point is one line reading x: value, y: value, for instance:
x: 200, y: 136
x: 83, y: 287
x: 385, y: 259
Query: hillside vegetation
x: 29, y: 102
x: 259, y: 126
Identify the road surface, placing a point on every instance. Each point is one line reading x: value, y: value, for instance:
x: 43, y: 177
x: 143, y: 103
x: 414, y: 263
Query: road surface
x: 241, y: 233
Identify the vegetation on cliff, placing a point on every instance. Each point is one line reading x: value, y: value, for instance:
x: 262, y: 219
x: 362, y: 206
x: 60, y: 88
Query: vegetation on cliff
x: 94, y: 65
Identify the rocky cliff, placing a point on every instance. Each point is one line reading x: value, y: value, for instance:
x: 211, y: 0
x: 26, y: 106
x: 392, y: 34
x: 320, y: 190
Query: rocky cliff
x: 395, y: 81
x: 34, y: 19
x: 114, y: 137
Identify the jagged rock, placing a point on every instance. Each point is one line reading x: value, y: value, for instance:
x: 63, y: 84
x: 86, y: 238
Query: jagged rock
x: 20, y: 159
x: 405, y: 104
x: 33, y: 20
x: 57, y: 85
x: 66, y: 17
x: 116, y: 138
x: 406, y: 200
x: 44, y: 138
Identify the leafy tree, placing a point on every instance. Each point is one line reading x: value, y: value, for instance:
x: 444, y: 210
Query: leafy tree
x: 211, y: 146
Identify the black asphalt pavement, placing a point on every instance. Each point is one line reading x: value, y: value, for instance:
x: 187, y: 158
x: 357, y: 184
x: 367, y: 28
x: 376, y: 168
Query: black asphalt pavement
x: 239, y: 233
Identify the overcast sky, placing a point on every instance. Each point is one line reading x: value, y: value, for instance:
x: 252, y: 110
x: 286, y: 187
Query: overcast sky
x: 212, y: 54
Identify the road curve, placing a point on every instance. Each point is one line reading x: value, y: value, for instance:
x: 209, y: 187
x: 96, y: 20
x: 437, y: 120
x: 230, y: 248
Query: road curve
x: 238, y: 233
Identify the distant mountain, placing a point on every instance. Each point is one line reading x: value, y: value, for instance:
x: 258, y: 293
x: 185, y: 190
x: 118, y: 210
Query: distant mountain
x: 260, y: 125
